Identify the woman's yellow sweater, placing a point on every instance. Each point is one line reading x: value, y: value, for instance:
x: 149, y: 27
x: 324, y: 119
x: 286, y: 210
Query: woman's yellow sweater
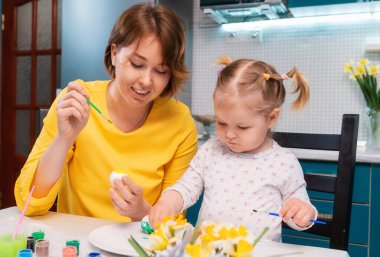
x: 155, y: 156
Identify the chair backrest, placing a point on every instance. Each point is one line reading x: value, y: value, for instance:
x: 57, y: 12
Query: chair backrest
x: 337, y: 228
x: 43, y: 113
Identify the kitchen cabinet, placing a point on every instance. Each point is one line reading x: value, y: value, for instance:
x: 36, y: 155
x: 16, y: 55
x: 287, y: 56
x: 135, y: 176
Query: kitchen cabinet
x: 364, y: 226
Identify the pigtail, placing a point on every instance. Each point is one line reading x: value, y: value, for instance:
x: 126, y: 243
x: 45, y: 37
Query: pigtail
x: 224, y: 60
x: 301, y: 86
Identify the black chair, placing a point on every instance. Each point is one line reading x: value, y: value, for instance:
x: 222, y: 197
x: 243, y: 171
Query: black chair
x: 341, y: 185
x: 43, y: 113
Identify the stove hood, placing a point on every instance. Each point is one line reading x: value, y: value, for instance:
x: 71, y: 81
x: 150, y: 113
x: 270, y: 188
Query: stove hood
x: 232, y: 11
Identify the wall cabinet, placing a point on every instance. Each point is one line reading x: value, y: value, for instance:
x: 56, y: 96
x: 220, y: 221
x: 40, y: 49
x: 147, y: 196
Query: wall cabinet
x: 302, y: 3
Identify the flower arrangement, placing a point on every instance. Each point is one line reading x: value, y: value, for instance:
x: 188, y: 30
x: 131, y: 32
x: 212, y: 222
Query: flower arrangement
x: 365, y: 76
x: 176, y: 237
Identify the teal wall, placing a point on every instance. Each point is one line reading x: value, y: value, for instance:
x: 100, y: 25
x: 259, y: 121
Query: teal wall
x: 85, y: 30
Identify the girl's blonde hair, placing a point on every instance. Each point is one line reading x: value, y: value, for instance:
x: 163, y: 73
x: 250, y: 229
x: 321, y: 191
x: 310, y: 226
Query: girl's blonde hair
x: 145, y: 19
x: 248, y: 75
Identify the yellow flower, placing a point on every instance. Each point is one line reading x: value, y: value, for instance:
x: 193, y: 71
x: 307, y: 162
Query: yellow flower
x: 360, y: 69
x: 348, y: 68
x: 180, y: 221
x: 157, y: 242
x: 243, y: 249
x: 364, y: 62
x: 193, y: 250
x: 373, y: 70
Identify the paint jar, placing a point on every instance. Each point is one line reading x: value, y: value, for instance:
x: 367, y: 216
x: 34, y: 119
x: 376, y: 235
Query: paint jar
x: 30, y: 241
x: 25, y: 253
x: 73, y: 243
x: 69, y: 251
x: 94, y: 254
x: 10, y: 247
x: 42, y: 248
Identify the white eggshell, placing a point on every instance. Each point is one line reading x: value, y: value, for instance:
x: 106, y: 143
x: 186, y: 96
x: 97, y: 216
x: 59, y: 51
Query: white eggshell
x: 114, y: 175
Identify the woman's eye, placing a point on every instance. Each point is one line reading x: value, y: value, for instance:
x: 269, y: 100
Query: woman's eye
x: 138, y: 66
x: 162, y: 72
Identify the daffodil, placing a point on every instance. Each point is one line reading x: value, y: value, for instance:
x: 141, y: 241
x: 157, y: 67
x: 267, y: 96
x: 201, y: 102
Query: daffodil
x: 364, y: 62
x: 373, y: 70
x: 348, y: 68
x: 243, y: 249
x: 193, y: 250
x: 365, y: 77
x: 360, y: 69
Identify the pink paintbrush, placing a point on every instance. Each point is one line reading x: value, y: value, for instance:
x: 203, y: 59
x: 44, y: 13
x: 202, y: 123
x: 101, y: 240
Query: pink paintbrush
x: 23, y: 213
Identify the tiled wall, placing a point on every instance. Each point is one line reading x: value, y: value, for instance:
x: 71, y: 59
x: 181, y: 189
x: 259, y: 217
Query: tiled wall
x: 318, y: 49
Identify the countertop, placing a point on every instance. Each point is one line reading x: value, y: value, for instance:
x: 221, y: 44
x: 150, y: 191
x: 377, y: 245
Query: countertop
x: 363, y: 155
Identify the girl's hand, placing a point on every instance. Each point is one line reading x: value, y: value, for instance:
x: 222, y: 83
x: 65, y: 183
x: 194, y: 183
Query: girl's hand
x: 159, y: 211
x: 72, y: 111
x: 127, y: 198
x: 301, y: 212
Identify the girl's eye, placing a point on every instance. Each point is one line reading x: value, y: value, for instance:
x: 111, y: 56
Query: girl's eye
x: 221, y: 123
x: 240, y: 127
x: 137, y: 66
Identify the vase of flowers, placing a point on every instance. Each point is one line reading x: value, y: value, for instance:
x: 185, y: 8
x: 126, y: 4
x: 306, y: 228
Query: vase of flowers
x: 365, y: 76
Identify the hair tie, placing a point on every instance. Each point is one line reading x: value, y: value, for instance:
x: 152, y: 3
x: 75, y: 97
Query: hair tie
x: 284, y: 76
x: 219, y: 70
x: 266, y: 76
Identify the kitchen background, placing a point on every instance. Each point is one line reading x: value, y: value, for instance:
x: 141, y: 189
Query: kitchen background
x: 317, y: 46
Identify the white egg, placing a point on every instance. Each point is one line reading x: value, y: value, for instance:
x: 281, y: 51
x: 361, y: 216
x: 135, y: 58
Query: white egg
x: 114, y: 175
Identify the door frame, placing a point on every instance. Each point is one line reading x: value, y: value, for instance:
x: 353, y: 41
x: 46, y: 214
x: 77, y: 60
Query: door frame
x: 9, y: 159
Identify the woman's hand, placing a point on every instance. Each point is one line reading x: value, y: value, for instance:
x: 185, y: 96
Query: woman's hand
x: 72, y: 111
x: 300, y: 211
x: 127, y: 198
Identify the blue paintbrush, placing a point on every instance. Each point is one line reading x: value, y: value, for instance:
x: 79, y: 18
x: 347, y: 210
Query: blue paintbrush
x: 278, y: 215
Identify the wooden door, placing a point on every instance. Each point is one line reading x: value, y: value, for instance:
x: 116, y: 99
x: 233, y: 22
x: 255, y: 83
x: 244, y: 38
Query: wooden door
x: 30, y: 75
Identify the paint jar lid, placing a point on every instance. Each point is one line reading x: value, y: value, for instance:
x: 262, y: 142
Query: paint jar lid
x: 73, y: 243
x: 25, y: 253
x: 94, y: 254
x: 69, y: 251
x: 38, y: 235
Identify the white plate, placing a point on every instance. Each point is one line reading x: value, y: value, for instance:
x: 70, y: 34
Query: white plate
x: 114, y: 238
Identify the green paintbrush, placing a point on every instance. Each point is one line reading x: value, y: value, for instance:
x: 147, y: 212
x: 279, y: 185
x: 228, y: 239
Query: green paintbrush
x: 96, y: 109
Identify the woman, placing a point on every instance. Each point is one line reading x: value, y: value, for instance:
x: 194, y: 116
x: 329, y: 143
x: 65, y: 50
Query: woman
x: 152, y: 137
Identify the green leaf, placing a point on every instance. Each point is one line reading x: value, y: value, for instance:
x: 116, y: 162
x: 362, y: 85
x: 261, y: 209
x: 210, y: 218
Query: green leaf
x: 260, y: 236
x: 138, y: 248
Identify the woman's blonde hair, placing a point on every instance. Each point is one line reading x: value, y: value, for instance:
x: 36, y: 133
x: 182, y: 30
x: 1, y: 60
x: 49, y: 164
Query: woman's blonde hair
x: 144, y: 19
x: 248, y: 75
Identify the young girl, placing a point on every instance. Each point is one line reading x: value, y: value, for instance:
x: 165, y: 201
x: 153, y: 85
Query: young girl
x: 243, y: 169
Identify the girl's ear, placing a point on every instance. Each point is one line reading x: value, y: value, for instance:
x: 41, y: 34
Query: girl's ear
x: 113, y: 54
x: 273, y: 117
